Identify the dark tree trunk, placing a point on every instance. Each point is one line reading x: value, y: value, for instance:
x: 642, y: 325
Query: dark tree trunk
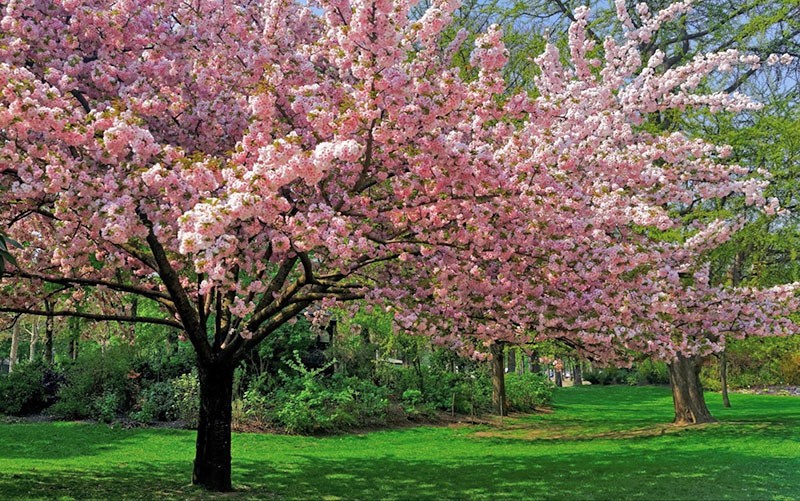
x: 48, y: 335
x: 512, y: 361
x: 212, y: 463
x: 498, y: 380
x: 687, y: 393
x: 577, y: 374
x: 559, y: 380
x: 723, y: 378
x: 535, y: 367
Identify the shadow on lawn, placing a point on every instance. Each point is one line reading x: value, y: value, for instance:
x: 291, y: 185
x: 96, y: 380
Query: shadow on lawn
x: 46, y: 441
x: 673, y: 470
x: 627, y: 473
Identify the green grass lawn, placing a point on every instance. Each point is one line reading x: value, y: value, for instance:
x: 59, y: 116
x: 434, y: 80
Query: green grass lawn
x: 599, y: 443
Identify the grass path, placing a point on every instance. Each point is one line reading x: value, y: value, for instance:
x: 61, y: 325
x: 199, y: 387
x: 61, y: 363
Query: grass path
x: 599, y: 443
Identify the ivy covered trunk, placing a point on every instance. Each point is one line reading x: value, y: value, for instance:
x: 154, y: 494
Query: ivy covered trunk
x: 498, y: 380
x: 212, y: 463
x: 687, y: 392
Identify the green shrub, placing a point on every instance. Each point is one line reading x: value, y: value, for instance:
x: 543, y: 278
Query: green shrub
x: 651, y: 372
x: 790, y: 368
x: 23, y: 391
x: 607, y: 375
x: 156, y: 402
x: 308, y: 403
x: 96, y: 383
x: 106, y: 407
x: 186, y: 393
x: 525, y: 392
x: 467, y: 392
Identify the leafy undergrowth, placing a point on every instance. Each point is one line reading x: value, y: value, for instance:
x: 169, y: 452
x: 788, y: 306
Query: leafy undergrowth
x: 598, y: 443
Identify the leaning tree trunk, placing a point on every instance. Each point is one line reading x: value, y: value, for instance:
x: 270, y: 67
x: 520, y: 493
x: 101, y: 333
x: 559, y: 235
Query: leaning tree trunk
x: 498, y: 380
x: 723, y: 378
x: 14, y: 355
x: 687, y: 392
x: 212, y: 463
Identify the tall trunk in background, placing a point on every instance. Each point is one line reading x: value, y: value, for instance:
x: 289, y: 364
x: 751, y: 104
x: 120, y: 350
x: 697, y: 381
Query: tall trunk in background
x: 687, y: 392
x: 723, y: 377
x: 498, y: 380
x: 212, y: 464
x: 559, y: 379
x: 512, y: 360
x: 535, y: 367
x: 736, y: 279
x: 577, y: 373
x: 14, y: 355
x: 34, y: 339
x: 48, y: 334
x: 73, y: 349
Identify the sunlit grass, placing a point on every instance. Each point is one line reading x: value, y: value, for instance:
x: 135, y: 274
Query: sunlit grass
x: 598, y: 443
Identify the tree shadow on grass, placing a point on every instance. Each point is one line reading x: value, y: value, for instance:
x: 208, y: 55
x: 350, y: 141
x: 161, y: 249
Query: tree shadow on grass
x: 663, y: 468
x: 58, y: 440
x: 671, y: 474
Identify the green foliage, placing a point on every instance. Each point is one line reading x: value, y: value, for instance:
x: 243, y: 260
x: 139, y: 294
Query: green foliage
x: 5, y: 256
x: 642, y: 373
x: 790, y: 368
x: 308, y: 403
x: 186, y: 392
x: 607, y: 375
x: 23, y: 392
x: 466, y: 392
x: 526, y: 392
x: 97, y: 385
x: 106, y: 407
x: 156, y: 402
x: 755, y: 362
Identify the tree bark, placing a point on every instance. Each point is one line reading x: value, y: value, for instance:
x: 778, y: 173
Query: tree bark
x: 48, y: 335
x: 34, y: 339
x: 14, y: 355
x: 723, y: 378
x: 512, y: 360
x: 212, y: 464
x: 559, y: 378
x: 577, y: 374
x: 498, y: 380
x: 687, y: 392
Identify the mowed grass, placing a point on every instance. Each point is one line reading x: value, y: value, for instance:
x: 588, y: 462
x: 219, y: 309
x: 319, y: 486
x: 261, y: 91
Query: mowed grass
x: 598, y: 443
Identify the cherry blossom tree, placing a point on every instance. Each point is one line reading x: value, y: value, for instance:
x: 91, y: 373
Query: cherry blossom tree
x: 235, y: 162
x: 238, y: 162
x: 603, y: 260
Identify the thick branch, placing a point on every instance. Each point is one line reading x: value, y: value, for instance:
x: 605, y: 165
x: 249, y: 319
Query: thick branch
x: 189, y: 316
x: 94, y: 316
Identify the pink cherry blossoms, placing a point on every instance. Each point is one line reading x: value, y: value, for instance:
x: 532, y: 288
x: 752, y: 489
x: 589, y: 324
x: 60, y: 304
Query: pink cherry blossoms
x: 241, y: 161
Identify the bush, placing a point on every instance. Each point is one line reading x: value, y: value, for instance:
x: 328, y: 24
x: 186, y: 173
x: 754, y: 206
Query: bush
x: 156, y: 403
x: 308, y: 403
x: 524, y: 392
x: 186, y: 394
x: 27, y: 390
x: 608, y: 375
x: 467, y: 392
x: 96, y: 385
x: 790, y: 368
